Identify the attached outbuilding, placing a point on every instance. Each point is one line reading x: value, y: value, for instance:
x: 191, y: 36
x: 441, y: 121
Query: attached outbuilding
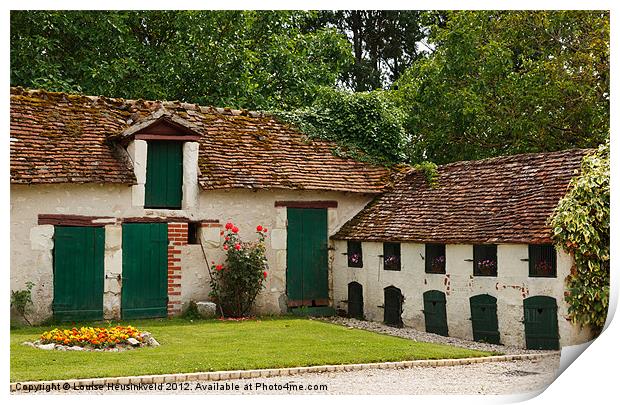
x: 472, y: 256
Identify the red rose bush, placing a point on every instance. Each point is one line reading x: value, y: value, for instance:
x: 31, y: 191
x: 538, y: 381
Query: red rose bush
x: 235, y: 284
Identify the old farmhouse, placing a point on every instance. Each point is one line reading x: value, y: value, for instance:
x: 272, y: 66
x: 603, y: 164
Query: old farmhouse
x: 117, y: 207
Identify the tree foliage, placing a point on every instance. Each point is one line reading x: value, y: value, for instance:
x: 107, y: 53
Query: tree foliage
x: 581, y: 227
x: 367, y: 125
x: 470, y: 84
x: 504, y: 82
x: 249, y: 59
x: 384, y: 44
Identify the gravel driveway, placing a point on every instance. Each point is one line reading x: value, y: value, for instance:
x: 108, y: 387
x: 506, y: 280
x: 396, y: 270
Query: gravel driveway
x: 419, y: 336
x: 486, y: 378
x: 510, y: 377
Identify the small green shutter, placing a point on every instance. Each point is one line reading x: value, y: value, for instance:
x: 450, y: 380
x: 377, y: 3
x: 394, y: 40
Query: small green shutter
x: 145, y: 271
x: 392, y: 306
x: 164, y: 175
x: 484, y: 318
x: 435, y: 317
x: 78, y: 273
x: 540, y: 316
x: 355, y: 300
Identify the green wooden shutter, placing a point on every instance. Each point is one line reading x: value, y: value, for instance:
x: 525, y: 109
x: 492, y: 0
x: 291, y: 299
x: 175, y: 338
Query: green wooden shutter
x: 392, y: 306
x: 540, y: 316
x: 484, y: 318
x: 145, y: 271
x: 435, y: 317
x: 78, y: 273
x: 164, y: 175
x: 355, y: 300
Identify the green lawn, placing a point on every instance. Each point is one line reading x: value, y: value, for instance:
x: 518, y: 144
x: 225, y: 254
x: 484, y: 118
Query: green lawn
x: 223, y: 345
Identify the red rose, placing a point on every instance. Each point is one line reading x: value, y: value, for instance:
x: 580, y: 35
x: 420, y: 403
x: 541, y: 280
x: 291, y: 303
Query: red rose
x: 227, y: 238
x: 259, y: 228
x: 229, y: 225
x: 219, y: 267
x: 221, y: 233
x: 225, y: 247
x: 238, y: 246
x: 235, y: 229
x: 264, y: 274
x: 265, y: 230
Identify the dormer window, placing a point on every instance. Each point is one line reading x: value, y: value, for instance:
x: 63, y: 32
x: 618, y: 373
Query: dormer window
x: 164, y: 175
x: 161, y: 177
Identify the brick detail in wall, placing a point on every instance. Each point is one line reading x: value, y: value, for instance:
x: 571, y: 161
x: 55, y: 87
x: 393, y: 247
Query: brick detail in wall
x: 177, y: 236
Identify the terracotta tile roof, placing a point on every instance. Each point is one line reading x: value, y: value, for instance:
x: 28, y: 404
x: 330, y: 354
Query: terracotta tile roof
x: 57, y: 138
x: 498, y: 200
x: 68, y: 138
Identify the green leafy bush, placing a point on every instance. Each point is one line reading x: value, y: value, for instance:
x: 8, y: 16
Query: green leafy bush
x: 20, y: 300
x: 581, y: 227
x: 236, y: 283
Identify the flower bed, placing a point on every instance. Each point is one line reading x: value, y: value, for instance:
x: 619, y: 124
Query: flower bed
x: 87, y: 338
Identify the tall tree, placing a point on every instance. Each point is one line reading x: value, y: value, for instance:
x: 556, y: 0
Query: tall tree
x: 384, y: 43
x: 504, y: 82
x: 248, y: 59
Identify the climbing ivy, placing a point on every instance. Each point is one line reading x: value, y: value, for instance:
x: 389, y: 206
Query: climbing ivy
x: 366, y: 126
x: 581, y: 227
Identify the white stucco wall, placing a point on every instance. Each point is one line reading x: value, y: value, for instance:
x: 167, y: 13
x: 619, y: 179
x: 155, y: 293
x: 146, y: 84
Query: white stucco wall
x: 510, y: 287
x: 32, y: 244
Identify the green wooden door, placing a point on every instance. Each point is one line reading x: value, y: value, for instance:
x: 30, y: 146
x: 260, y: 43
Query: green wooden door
x: 392, y: 306
x: 484, y: 318
x: 435, y: 317
x: 540, y: 316
x: 164, y: 175
x: 355, y: 300
x: 145, y: 271
x: 78, y: 273
x: 306, y: 275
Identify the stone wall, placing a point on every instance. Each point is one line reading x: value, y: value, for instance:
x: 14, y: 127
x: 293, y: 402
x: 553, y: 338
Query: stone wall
x: 511, y: 286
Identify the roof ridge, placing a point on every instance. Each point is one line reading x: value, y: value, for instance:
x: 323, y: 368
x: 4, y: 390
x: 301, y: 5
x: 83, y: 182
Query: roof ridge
x: 19, y: 90
x: 515, y: 156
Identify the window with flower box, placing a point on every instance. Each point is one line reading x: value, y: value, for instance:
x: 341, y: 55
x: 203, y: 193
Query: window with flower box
x: 485, y: 260
x: 391, y: 256
x: 354, y: 253
x: 542, y: 261
x: 435, y: 258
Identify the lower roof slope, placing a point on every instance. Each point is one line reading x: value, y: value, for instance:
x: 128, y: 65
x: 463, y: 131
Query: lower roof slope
x: 62, y: 138
x: 498, y: 200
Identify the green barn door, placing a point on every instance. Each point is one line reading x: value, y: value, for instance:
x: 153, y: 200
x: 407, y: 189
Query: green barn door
x: 78, y: 273
x: 484, y: 318
x: 435, y: 317
x: 540, y: 316
x: 145, y: 271
x: 164, y: 175
x: 306, y: 276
